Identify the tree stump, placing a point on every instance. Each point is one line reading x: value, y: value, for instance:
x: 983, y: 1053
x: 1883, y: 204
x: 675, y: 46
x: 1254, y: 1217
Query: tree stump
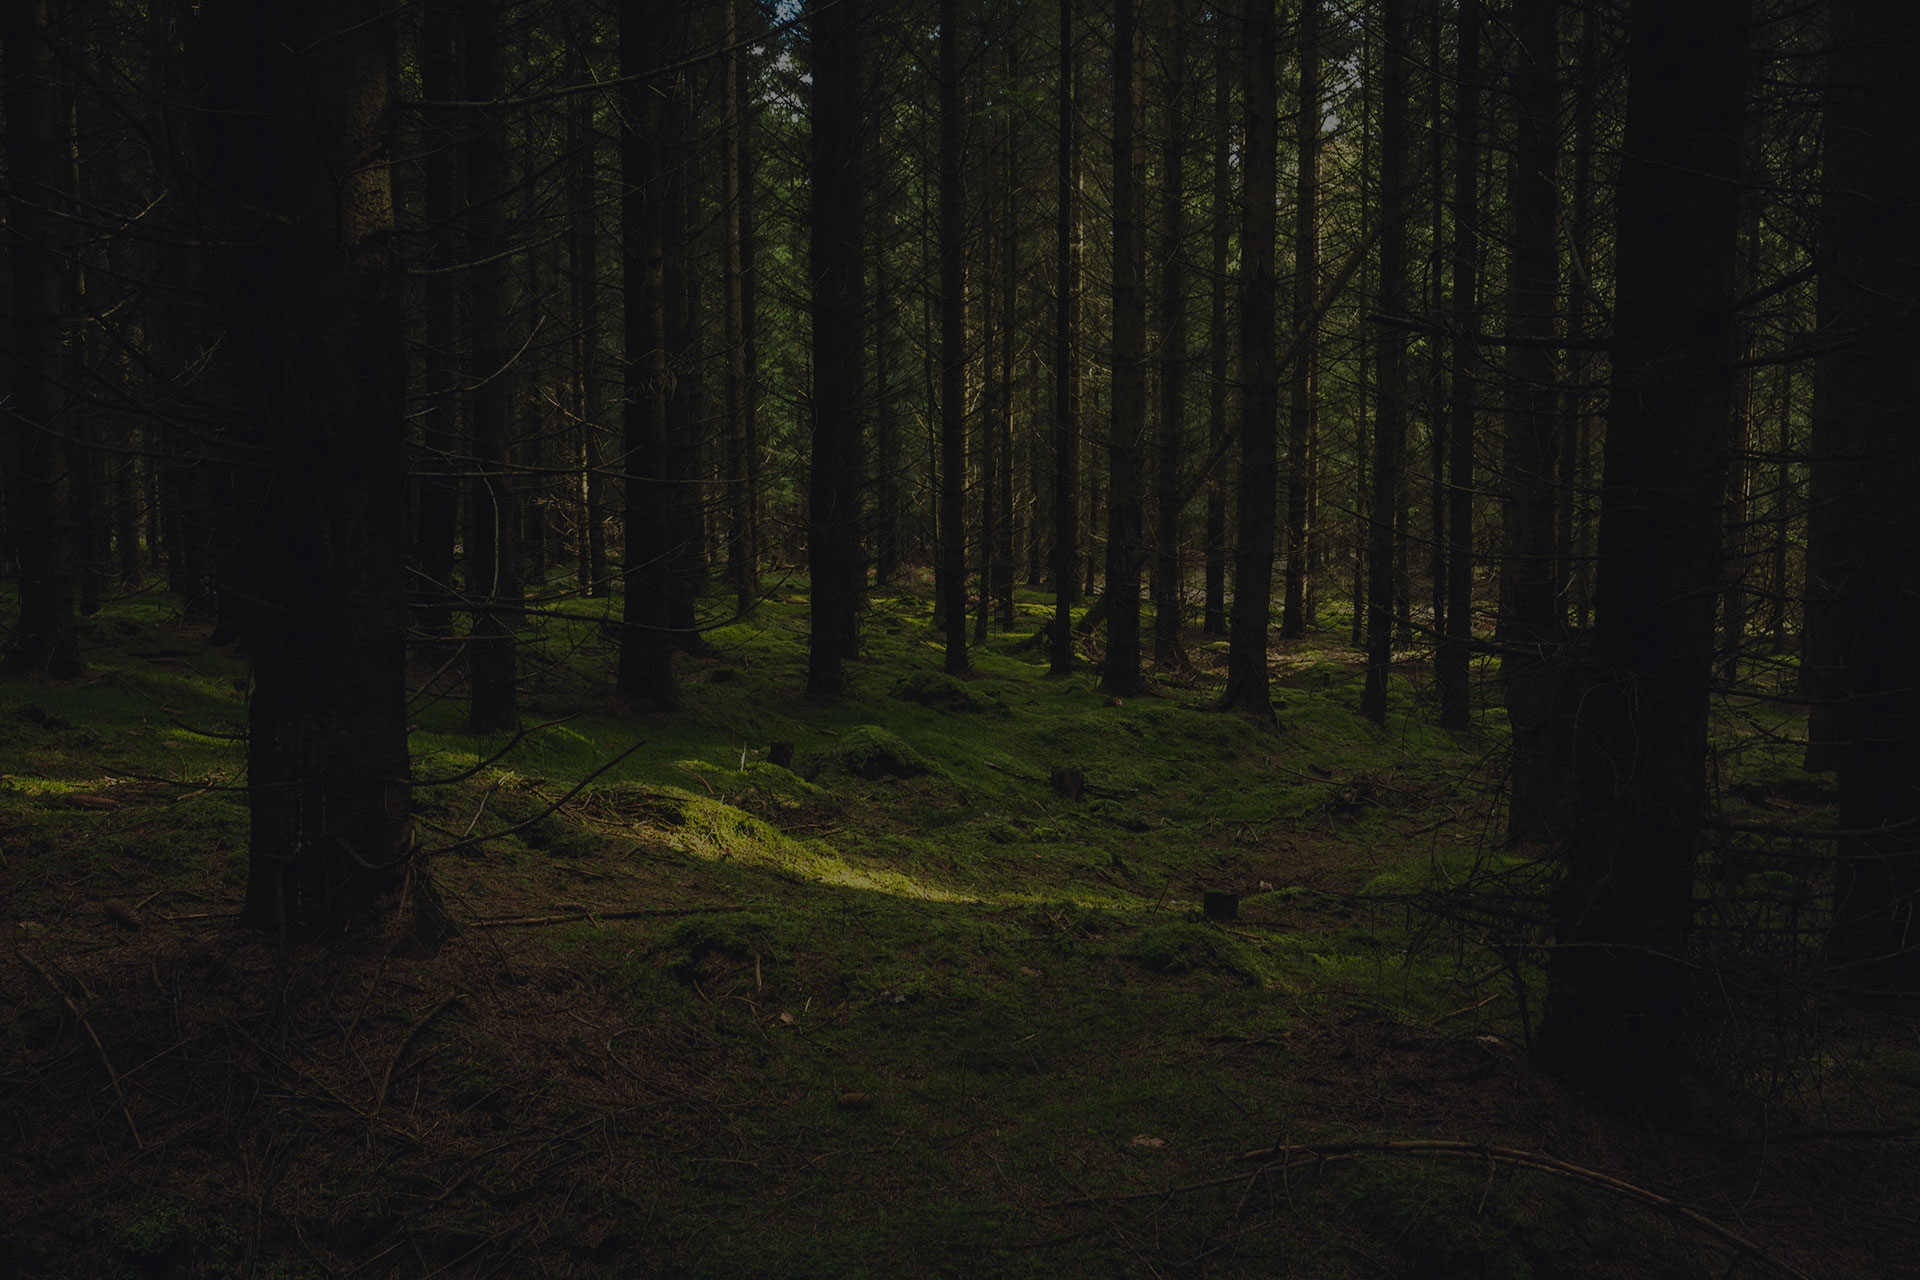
x: 1220, y: 906
x: 781, y: 753
x: 1069, y: 781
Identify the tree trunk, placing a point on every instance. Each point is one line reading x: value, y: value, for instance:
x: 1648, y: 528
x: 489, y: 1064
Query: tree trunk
x: 834, y: 554
x: 46, y: 643
x: 298, y: 161
x: 1530, y: 627
x: 646, y: 643
x: 1618, y: 975
x: 1066, y: 375
x: 1390, y: 415
x: 1247, y: 679
x: 1869, y: 226
x: 1456, y: 708
x: 1173, y: 345
x: 493, y: 577
x: 1309, y: 122
x: 1120, y: 669
x: 1214, y: 620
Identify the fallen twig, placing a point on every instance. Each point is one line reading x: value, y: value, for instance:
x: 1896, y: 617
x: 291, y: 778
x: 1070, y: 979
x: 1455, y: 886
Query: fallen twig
x: 92, y: 1035
x: 568, y: 917
x: 386, y: 1081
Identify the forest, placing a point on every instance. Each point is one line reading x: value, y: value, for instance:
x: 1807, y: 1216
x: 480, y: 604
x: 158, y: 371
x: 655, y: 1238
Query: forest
x: 904, y: 637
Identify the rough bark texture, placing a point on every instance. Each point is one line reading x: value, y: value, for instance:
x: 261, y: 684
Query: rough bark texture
x: 1066, y: 377
x: 646, y: 644
x: 1120, y: 669
x: 1871, y: 226
x: 1247, y: 679
x: 493, y: 568
x: 953, y: 350
x: 1390, y: 418
x: 1167, y: 487
x: 1309, y: 121
x: 1450, y: 662
x: 300, y: 100
x: 41, y: 505
x: 1618, y: 977
x: 1529, y: 607
x: 834, y: 556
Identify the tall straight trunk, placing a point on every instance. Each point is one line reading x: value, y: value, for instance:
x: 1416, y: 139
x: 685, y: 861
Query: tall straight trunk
x: 645, y: 670
x: 1618, y: 975
x: 493, y: 579
x: 1870, y: 226
x: 1214, y: 618
x: 888, y: 513
x: 299, y: 173
x: 1576, y: 479
x: 953, y: 348
x: 1309, y: 121
x: 1066, y: 378
x: 47, y: 642
x: 1247, y: 680
x: 1173, y: 345
x: 438, y: 483
x: 686, y: 567
x: 1120, y: 669
x: 1530, y: 623
x: 1451, y: 662
x: 742, y: 572
x: 1437, y: 400
x: 1740, y: 536
x: 1001, y: 584
x: 834, y: 557
x: 1390, y: 355
x: 986, y: 437
x: 583, y: 247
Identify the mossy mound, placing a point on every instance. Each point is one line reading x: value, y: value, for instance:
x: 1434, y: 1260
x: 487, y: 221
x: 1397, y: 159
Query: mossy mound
x: 868, y: 751
x: 941, y: 692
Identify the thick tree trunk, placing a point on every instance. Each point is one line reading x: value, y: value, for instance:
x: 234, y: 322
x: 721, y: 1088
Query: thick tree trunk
x: 301, y: 108
x: 742, y: 571
x: 1870, y: 226
x: 583, y: 241
x: 1247, y: 678
x: 40, y: 508
x: 1618, y: 975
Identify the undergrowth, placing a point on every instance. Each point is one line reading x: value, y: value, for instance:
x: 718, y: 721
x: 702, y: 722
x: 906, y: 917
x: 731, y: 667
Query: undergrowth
x: 901, y: 1009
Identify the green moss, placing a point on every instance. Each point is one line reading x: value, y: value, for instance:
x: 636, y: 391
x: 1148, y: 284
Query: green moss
x: 873, y: 752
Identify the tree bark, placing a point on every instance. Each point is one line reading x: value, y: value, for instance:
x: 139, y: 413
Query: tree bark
x: 1066, y: 375
x: 47, y: 643
x: 298, y: 162
x: 1168, y: 490
x: 1247, y: 678
x: 834, y: 553
x: 1309, y: 122
x: 1214, y: 619
x: 646, y: 644
x: 1618, y: 976
x: 1451, y: 662
x: 1120, y: 668
x: 1390, y: 416
x: 493, y: 576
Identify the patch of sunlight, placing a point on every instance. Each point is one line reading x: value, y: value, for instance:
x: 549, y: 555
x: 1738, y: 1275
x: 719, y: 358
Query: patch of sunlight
x: 719, y: 832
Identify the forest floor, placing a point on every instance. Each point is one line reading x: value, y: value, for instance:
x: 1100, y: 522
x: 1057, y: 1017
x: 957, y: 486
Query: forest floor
x: 902, y: 1010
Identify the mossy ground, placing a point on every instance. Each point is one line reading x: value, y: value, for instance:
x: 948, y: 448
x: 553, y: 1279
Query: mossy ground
x: 901, y: 1010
